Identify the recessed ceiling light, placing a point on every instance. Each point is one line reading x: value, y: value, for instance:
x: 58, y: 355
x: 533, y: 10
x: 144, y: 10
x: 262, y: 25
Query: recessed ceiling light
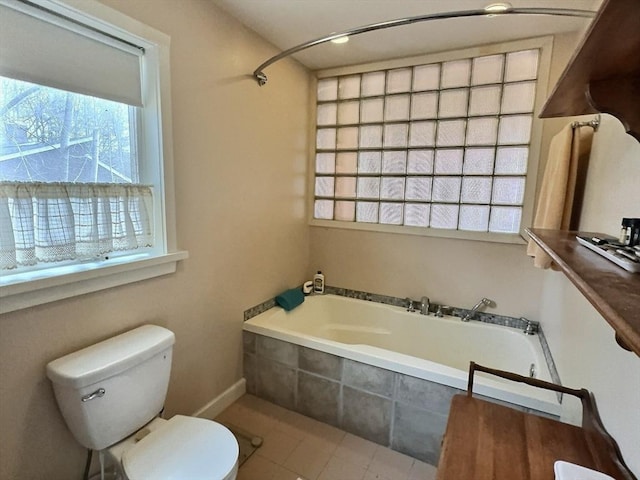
x: 498, y: 8
x: 343, y: 39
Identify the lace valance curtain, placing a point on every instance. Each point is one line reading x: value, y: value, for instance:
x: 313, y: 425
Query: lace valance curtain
x: 53, y: 222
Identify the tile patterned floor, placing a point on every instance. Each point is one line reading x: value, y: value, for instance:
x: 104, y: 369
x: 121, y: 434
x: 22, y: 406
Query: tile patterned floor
x: 299, y: 448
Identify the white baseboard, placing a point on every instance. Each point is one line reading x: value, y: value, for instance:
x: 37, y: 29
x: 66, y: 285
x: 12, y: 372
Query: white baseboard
x: 222, y: 401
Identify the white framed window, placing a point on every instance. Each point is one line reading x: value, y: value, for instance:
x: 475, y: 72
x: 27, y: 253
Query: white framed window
x: 86, y: 194
x: 444, y: 145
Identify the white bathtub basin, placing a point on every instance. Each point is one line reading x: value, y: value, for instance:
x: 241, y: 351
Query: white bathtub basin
x: 427, y: 347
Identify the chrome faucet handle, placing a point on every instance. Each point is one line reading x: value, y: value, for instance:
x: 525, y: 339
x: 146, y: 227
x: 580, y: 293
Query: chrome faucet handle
x: 410, y: 305
x: 424, y: 305
x: 532, y: 327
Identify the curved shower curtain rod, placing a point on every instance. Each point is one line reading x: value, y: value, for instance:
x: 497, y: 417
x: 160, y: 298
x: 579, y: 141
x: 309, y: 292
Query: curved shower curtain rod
x: 261, y: 77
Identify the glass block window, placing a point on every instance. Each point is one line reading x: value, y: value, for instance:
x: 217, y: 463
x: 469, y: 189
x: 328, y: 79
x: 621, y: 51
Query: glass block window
x: 443, y: 145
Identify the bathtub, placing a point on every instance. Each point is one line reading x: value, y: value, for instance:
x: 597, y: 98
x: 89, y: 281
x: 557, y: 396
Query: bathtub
x: 425, y: 347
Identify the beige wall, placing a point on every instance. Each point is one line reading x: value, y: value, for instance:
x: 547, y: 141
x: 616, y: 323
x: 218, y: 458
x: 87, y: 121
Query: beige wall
x: 240, y: 169
x: 450, y: 272
x: 612, y: 189
x: 582, y: 343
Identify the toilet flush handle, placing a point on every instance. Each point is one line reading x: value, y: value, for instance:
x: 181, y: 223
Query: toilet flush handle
x: 98, y: 393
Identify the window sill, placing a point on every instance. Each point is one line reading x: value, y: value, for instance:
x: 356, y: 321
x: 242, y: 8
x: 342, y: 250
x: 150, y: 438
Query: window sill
x: 23, y: 290
x: 512, y: 238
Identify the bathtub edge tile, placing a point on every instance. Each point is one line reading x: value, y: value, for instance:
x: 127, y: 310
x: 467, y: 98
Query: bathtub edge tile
x: 249, y: 372
x: 277, y: 350
x: 251, y: 312
x: 248, y: 342
x: 418, y: 432
x: 318, y: 397
x: 276, y: 383
x: 551, y: 365
x: 366, y: 415
x: 368, y: 378
x: 425, y: 394
x: 320, y: 363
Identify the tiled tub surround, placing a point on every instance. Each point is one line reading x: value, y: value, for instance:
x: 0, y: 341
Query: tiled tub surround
x: 427, y: 347
x: 405, y: 413
x: 332, y: 359
x: 485, y: 317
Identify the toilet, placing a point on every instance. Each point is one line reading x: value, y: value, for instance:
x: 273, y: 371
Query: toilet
x: 111, y: 394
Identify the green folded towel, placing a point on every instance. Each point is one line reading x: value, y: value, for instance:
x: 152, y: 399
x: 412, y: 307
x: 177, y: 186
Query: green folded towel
x: 290, y: 299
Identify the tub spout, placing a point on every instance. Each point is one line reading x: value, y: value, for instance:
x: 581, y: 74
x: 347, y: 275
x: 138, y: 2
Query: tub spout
x: 485, y: 302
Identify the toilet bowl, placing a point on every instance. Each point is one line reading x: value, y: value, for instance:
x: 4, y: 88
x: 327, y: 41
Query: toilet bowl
x: 182, y: 447
x: 110, y: 395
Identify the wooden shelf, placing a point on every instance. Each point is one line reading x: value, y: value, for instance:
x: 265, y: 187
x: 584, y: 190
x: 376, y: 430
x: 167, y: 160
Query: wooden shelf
x: 613, y: 291
x: 604, y: 73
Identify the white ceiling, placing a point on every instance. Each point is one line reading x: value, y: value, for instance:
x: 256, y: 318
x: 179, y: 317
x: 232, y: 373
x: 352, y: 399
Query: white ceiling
x: 286, y: 23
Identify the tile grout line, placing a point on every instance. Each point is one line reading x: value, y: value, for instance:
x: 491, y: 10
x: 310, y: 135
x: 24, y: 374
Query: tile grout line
x: 392, y: 420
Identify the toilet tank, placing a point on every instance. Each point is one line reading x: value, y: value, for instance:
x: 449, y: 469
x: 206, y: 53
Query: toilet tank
x: 111, y: 389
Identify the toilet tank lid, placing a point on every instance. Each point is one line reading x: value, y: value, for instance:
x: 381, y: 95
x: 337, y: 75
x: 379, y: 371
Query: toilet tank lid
x: 109, y: 357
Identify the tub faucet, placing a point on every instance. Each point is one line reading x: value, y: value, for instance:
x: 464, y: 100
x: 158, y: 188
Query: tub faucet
x: 424, y: 305
x: 531, y: 327
x: 411, y: 305
x: 482, y: 303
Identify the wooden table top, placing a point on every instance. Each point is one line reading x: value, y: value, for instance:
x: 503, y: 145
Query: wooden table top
x: 484, y: 440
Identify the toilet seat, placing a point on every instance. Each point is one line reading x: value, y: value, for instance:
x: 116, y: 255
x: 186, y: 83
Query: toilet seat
x: 181, y: 448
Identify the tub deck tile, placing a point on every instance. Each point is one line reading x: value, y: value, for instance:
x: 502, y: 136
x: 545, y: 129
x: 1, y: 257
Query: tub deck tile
x: 418, y: 432
x: 276, y: 382
x: 322, y: 363
x: 369, y: 378
x: 425, y: 394
x: 249, y: 369
x: 366, y: 415
x: 277, y: 350
x: 248, y: 342
x: 318, y: 398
